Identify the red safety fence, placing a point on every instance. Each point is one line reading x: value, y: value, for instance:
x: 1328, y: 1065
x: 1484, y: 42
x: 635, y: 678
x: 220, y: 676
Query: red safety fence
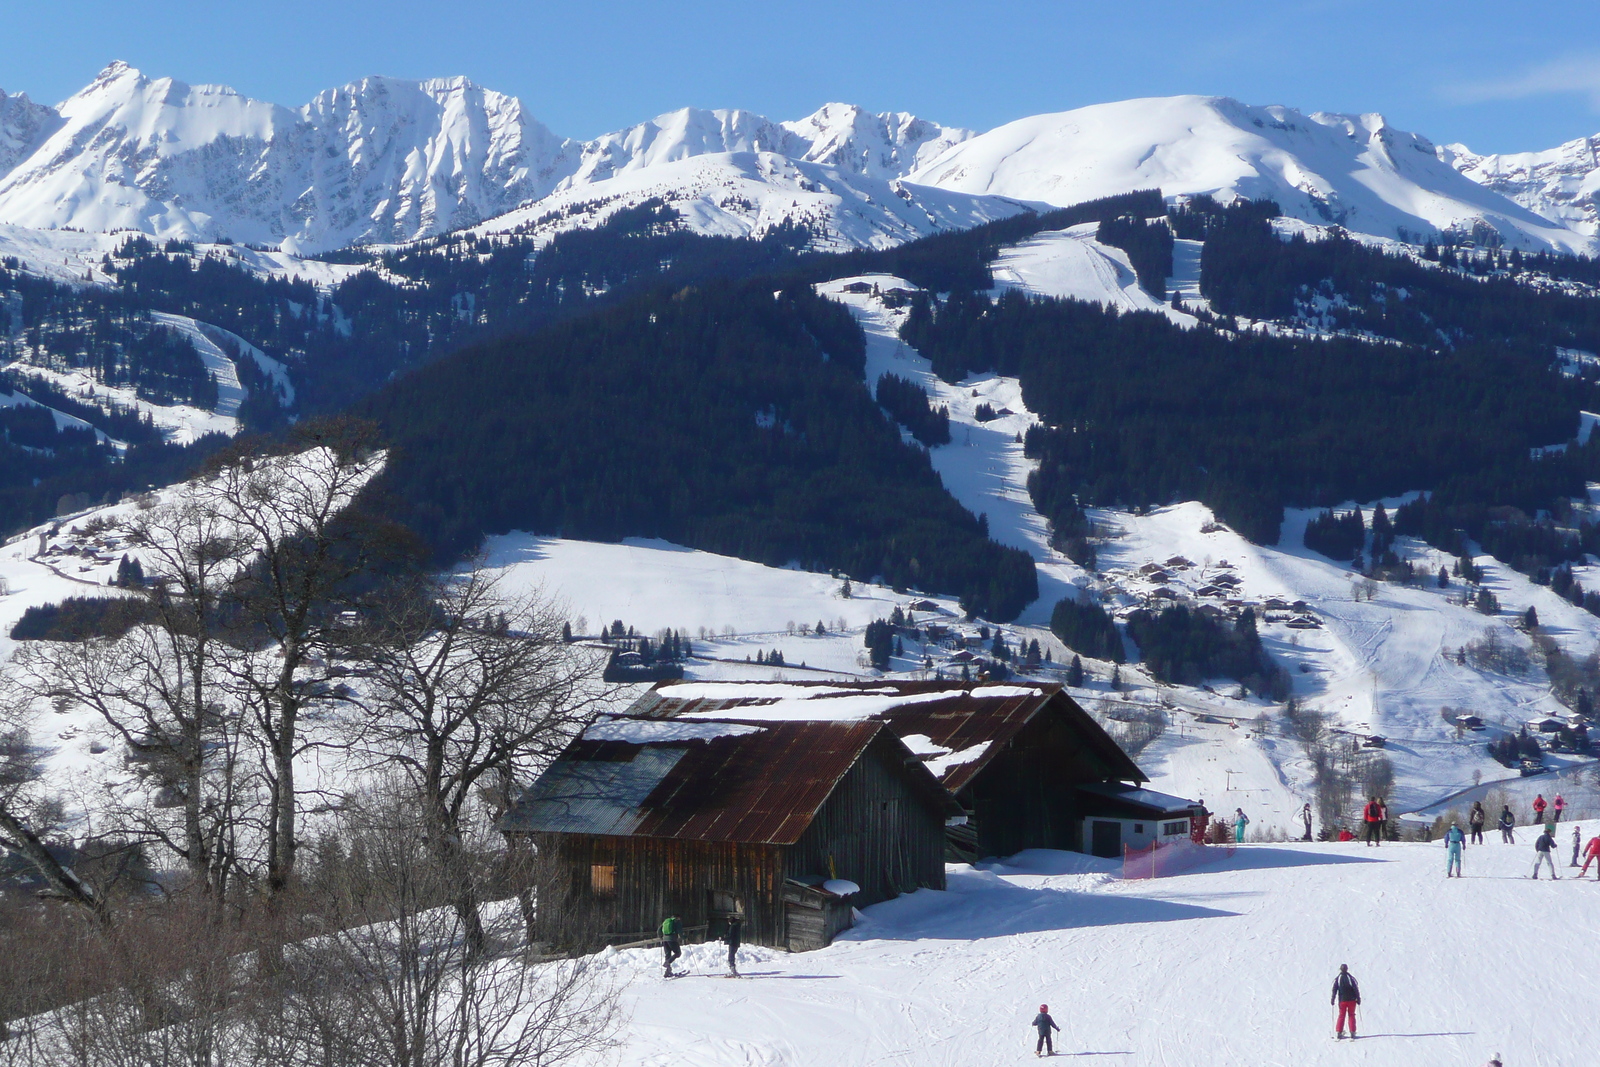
x: 1174, y: 857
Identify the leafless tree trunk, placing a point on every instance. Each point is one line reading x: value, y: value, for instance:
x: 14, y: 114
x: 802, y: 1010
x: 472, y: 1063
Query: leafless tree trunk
x: 466, y: 689
x: 294, y: 511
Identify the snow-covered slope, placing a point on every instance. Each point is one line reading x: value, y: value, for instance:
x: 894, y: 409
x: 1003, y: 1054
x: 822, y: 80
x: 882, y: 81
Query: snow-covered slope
x: 1354, y: 170
x: 1562, y: 183
x: 1225, y: 965
x: 749, y: 194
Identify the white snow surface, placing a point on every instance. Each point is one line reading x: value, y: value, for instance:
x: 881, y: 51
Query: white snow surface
x: 1071, y: 264
x: 1353, y: 170
x: 1230, y: 962
x: 664, y: 731
x: 1561, y: 183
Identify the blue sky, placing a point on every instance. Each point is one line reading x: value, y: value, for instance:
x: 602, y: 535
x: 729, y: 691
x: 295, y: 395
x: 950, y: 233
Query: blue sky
x: 1461, y: 71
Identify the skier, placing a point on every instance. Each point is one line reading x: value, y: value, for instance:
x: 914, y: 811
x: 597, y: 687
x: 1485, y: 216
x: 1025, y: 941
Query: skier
x: 730, y: 937
x: 1591, y: 854
x: 1372, y: 816
x: 1305, y: 817
x: 1044, y: 1024
x: 1453, y: 840
x: 1345, y: 834
x: 1494, y: 1061
x: 1538, y: 808
x: 1541, y: 854
x: 670, y: 948
x: 1557, y: 806
x: 1508, y: 825
x: 1577, y: 836
x: 1240, y: 821
x: 1346, y: 994
x: 1475, y: 820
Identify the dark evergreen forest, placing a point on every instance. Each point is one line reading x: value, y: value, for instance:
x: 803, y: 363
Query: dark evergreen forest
x: 722, y: 418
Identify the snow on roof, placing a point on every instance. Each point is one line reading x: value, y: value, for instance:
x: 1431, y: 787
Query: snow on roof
x: 857, y: 706
x: 939, y: 765
x: 922, y: 745
x: 1145, y: 798
x: 756, y: 691
x: 663, y: 731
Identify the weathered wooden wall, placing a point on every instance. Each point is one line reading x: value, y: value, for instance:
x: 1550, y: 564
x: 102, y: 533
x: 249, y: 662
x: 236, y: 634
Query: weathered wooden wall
x: 879, y: 832
x: 655, y: 877
x: 1027, y: 796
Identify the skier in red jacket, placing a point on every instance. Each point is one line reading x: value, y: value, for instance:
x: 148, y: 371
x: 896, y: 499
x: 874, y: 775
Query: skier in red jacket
x: 1538, y: 808
x: 1591, y: 854
x: 1373, y: 816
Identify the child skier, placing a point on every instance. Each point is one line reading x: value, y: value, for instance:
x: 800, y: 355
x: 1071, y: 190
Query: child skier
x: 1453, y: 840
x: 1577, y: 839
x: 1541, y: 854
x: 1240, y: 821
x: 1044, y: 1024
x: 1346, y: 994
x: 1591, y: 854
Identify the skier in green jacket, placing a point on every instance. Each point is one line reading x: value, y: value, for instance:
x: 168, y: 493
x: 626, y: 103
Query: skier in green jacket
x: 670, y: 948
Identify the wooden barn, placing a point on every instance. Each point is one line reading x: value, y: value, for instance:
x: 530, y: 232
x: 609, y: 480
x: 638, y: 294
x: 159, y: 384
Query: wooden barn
x: 704, y: 820
x: 1016, y: 757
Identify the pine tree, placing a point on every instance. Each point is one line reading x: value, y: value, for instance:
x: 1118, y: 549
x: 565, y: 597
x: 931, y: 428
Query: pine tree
x: 1444, y: 578
x: 1530, y: 619
x: 566, y: 632
x: 1116, y: 678
x: 1075, y: 673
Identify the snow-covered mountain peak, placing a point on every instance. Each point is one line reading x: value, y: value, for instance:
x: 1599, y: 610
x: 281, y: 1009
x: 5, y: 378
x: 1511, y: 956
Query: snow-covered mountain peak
x: 1562, y: 183
x: 857, y: 141
x: 1354, y: 170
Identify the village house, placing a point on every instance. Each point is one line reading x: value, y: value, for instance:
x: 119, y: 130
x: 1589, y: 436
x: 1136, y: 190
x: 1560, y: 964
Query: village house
x: 787, y: 825
x: 790, y: 803
x: 1015, y: 757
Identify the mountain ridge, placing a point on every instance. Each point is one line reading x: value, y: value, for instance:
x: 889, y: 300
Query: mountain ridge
x: 385, y: 161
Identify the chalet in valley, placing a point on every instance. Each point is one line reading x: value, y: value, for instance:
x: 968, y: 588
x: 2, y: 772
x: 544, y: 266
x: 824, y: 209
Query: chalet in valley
x: 787, y: 825
x: 789, y: 803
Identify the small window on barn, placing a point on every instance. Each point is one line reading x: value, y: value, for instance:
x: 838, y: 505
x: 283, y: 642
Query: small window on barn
x: 1138, y: 827
x: 724, y: 902
x: 1170, y: 828
x: 603, y: 879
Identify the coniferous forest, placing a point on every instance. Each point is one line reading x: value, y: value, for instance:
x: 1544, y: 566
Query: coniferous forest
x: 637, y: 379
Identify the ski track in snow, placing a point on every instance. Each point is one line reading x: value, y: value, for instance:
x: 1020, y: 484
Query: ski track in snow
x: 1228, y: 964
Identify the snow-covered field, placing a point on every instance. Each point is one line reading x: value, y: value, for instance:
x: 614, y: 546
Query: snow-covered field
x: 1228, y: 965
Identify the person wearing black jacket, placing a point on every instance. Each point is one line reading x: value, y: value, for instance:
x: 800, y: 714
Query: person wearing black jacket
x: 1542, y: 848
x: 1044, y: 1024
x: 1475, y: 820
x: 1346, y: 994
x: 730, y: 937
x: 1508, y: 825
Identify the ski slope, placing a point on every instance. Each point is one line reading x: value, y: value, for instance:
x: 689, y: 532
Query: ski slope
x: 1230, y: 964
x: 1071, y: 264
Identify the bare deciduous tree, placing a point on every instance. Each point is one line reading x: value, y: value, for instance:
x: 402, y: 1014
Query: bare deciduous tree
x: 467, y: 689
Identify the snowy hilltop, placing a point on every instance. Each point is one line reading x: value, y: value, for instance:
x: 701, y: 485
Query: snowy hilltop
x: 385, y: 160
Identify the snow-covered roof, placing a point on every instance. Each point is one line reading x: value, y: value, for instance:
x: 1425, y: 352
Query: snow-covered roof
x: 1149, y: 800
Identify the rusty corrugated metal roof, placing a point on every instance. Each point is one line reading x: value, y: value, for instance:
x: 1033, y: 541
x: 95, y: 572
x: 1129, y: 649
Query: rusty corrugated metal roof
x: 760, y: 788
x: 973, y: 715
